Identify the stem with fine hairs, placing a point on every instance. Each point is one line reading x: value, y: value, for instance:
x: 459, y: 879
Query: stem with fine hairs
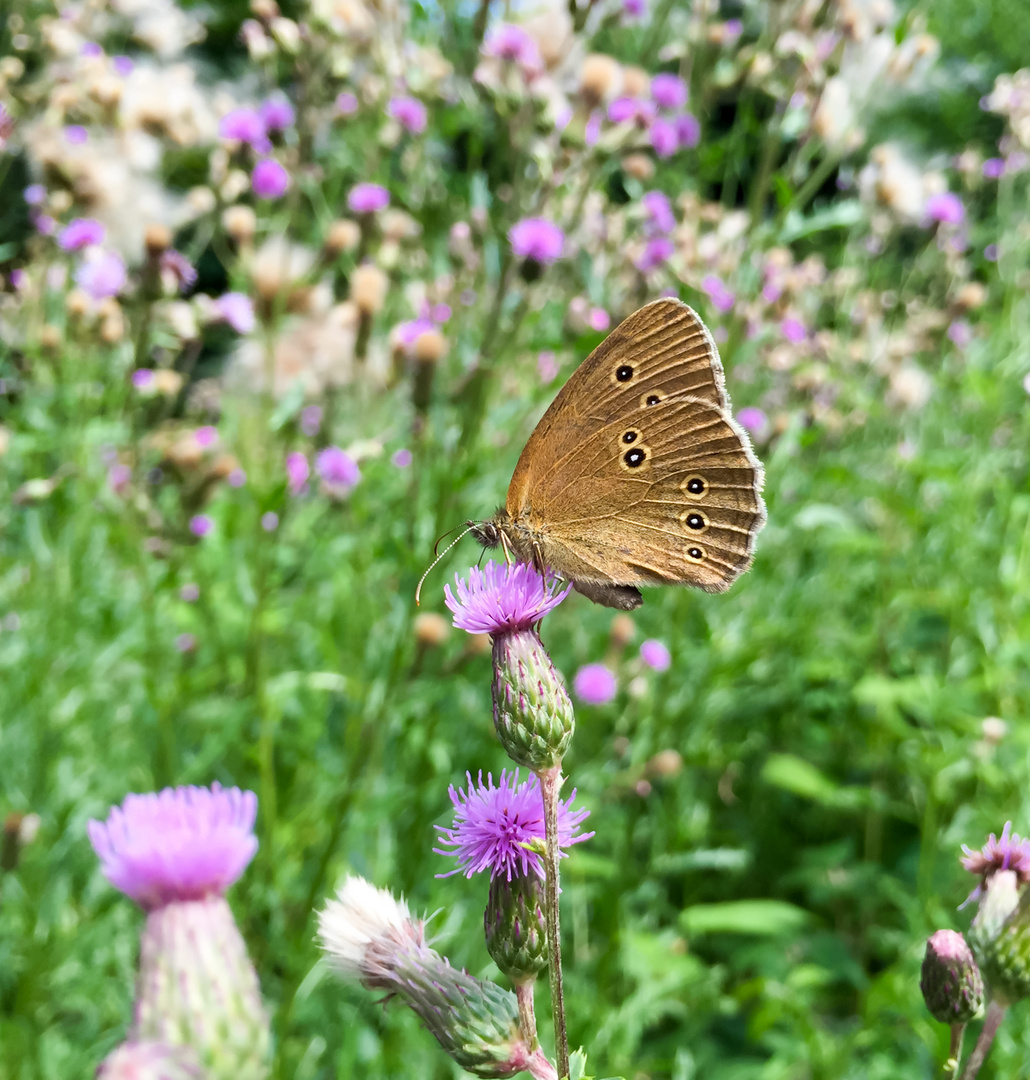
x: 958, y: 1031
x: 995, y: 1014
x: 527, y: 1015
x: 550, y: 785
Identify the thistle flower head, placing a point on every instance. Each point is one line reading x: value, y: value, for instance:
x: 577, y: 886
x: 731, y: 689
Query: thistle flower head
x: 368, y: 198
x: 537, y: 239
x: 503, y: 598
x: 493, y: 823
x: 1007, y: 852
x: 182, y: 843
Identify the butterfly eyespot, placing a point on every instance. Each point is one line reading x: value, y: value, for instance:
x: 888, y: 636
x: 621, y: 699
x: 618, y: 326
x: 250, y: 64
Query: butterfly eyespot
x: 694, y: 520
x: 629, y: 436
x: 635, y: 458
x: 696, y: 486
x: 695, y: 554
x: 624, y: 373
x: 652, y: 399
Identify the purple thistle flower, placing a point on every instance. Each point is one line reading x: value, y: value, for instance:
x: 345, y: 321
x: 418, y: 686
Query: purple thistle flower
x: 201, y: 525
x: 236, y: 479
x: 655, y: 654
x: 665, y: 140
x: 76, y: 134
x: 102, y: 274
x: 752, y: 420
x: 994, y: 168
x: 793, y: 329
x: 34, y: 194
x: 668, y: 91
x: 731, y: 30
x: 184, y: 843
x: 178, y: 268
x: 502, y: 598
x: 688, y: 131
x: 346, y: 103
x: 270, y: 521
x: 634, y: 9
x: 409, y: 112
x: 960, y: 333
x: 659, y: 213
x: 721, y: 297
x: 237, y: 310
x: 626, y: 110
x: 91, y: 48
x: 245, y: 126
x: 599, y: 319
x: 537, y: 239
x: 297, y: 472
x: 368, y: 199
x: 547, y: 366
x: 276, y: 113
x: 143, y: 378
x: 122, y: 65
x: 595, y: 684
x: 119, y: 477
x: 401, y: 459
x: 592, y: 131
x: 206, y: 436
x: 491, y: 825
x: 80, y: 233
x: 311, y: 420
x: 269, y: 180
x: 339, y: 471
x: 656, y: 253
x: 511, y: 42
x: 945, y: 208
x: 44, y: 223
x: 1009, y: 852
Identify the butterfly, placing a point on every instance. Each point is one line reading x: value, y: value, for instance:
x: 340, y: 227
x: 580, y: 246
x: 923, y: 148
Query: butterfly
x: 637, y: 474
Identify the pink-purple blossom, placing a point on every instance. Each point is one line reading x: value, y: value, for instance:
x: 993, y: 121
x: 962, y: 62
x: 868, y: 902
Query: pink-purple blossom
x: 184, y: 843
x: 76, y: 134
x: 656, y: 253
x: 34, y: 194
x: 688, y: 130
x: 627, y: 110
x: 595, y: 684
x: 665, y: 140
x: 401, y: 459
x: 270, y: 521
x: 634, y: 9
x: 1007, y: 852
x: 945, y: 208
x: 793, y: 329
x: 201, y: 525
x: 178, y: 268
x: 655, y: 654
x: 492, y: 825
x: 511, y: 42
x: 311, y: 420
x: 537, y: 239
x: 346, y: 103
x: 409, y: 112
x: 599, y: 319
x: 994, y: 168
x: 237, y: 310
x: 269, y: 180
x: 277, y: 113
x: 753, y: 420
x: 668, y: 91
x: 123, y: 65
x: 81, y: 233
x: 143, y: 378
x: 721, y: 297
x: 297, y: 472
x: 368, y: 199
x: 960, y: 333
x: 338, y: 471
x: 502, y: 598
x: 245, y: 126
x: 658, y: 212
x: 119, y: 478
x: 102, y: 274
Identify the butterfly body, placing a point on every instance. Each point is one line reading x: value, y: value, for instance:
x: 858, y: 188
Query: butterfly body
x: 637, y: 474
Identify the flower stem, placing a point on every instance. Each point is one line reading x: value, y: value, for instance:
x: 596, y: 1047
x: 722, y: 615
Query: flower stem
x: 958, y: 1031
x: 527, y: 1016
x: 995, y: 1014
x: 550, y: 785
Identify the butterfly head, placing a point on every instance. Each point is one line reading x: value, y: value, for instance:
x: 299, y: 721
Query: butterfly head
x: 490, y: 534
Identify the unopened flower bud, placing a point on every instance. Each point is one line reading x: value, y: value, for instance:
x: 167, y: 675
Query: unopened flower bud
x: 515, y: 926
x: 951, y: 983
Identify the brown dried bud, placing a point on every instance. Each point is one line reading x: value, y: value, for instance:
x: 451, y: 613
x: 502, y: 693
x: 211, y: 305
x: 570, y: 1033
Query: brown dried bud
x: 157, y: 238
x: 430, y: 346
x: 639, y: 166
x: 368, y: 288
x: 971, y: 295
x: 665, y: 763
x: 623, y: 630
x: 431, y: 628
x: 635, y: 82
x: 50, y: 337
x: 598, y: 78
x: 342, y: 235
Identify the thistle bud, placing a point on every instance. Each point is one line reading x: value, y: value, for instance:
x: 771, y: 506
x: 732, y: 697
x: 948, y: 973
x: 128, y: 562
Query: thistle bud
x: 147, y: 1060
x: 951, y: 983
x: 515, y: 926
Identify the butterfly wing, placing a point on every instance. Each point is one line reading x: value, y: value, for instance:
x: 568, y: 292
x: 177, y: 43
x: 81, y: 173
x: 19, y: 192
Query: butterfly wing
x: 667, y: 493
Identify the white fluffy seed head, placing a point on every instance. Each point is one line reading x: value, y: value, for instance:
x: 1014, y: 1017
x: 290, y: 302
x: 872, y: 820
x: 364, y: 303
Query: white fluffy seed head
x: 359, y: 917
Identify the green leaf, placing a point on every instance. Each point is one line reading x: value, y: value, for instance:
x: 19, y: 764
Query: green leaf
x: 756, y: 918
x: 800, y: 778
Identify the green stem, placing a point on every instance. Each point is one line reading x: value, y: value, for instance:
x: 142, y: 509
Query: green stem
x: 958, y: 1032
x: 995, y: 1014
x: 550, y: 784
x: 816, y: 178
x: 527, y: 1016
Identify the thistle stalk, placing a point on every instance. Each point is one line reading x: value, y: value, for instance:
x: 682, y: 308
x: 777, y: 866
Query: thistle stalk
x: 550, y: 784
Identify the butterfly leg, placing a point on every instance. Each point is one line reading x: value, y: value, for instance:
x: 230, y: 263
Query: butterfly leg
x: 622, y: 597
x: 538, y: 560
x: 504, y: 547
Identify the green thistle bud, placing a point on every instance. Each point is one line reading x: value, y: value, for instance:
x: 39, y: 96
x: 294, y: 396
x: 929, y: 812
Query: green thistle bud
x: 951, y: 984
x: 532, y: 711
x: 515, y: 927
x: 198, y: 987
x: 1000, y: 936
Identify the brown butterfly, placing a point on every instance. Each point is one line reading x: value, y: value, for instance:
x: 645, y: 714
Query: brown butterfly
x: 637, y: 474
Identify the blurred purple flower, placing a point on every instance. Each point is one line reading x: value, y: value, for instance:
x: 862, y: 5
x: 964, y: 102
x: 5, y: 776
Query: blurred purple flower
x: 122, y: 65
x: 80, y: 233
x: 270, y: 521
x: 656, y: 253
x: 440, y: 313
x: 664, y: 139
x: 658, y: 210
x: 721, y: 297
x: 731, y: 30
x: 236, y: 479
x: 119, y: 477
x: 206, y: 436
x: 595, y: 684
x: 546, y: 366
x: 492, y: 825
x: 245, y: 126
x: 178, y: 268
x: 599, y: 319
x: 276, y: 113
x: 409, y: 112
x: 634, y: 9
x: 502, y: 598
x: 102, y: 274
x: 76, y: 134
x: 185, y: 643
x: 655, y: 654
x: 91, y: 48
x: 201, y: 525
x: 511, y: 42
x: 368, y: 199
x: 44, y: 223
x: 753, y: 420
x: 592, y: 131
x: 143, y: 378
x: 960, y: 333
x: 185, y: 843
x: 537, y: 239
x: 668, y: 91
x: 401, y: 459
x: 793, y: 329
x: 311, y: 420
x: 34, y: 194
x: 18, y: 278
x: 991, y: 253
x: 771, y: 293
x: 237, y: 310
x: 688, y: 131
x: 626, y: 110
x: 946, y: 208
x: 297, y: 472
x: 269, y: 179
x: 189, y: 593
x: 994, y: 168
x: 338, y: 470
x: 346, y: 103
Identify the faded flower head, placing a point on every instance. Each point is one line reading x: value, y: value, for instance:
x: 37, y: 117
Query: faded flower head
x: 537, y: 239
x: 503, y: 598
x: 1007, y: 852
x: 184, y: 843
x: 492, y: 825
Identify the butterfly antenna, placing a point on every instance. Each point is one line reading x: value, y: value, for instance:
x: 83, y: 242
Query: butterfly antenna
x: 436, y: 546
x: 418, y: 591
